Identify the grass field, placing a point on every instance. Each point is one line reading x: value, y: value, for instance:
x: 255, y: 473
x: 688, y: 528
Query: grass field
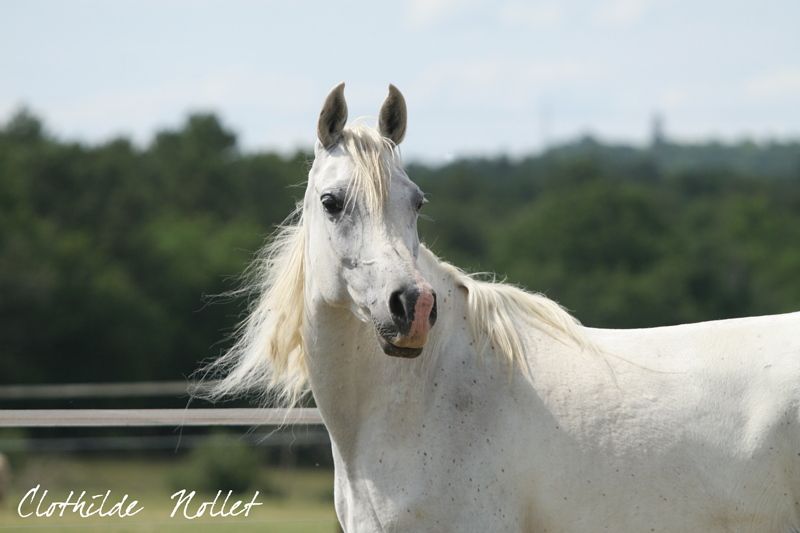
x: 297, y: 500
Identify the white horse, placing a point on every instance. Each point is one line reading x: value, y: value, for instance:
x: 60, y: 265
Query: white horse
x: 507, y: 415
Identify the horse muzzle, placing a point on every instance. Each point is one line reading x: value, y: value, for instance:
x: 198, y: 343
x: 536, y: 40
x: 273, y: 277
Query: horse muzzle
x: 413, y: 313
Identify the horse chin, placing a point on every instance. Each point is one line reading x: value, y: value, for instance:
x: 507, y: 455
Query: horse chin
x: 396, y: 351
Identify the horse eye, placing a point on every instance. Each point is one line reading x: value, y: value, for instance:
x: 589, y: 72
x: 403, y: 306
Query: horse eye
x: 331, y: 204
x: 421, y: 203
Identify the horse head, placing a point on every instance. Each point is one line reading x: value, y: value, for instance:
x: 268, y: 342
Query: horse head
x: 361, y: 213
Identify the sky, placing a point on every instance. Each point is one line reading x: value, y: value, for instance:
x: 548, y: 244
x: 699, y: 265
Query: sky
x: 481, y: 78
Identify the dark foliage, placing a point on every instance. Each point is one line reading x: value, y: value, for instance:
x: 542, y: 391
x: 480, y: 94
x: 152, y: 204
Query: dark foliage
x: 106, y: 252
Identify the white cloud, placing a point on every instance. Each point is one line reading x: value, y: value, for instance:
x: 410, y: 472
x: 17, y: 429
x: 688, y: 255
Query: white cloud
x: 497, y: 83
x: 260, y: 103
x: 422, y: 13
x: 621, y: 12
x: 776, y: 84
x: 542, y: 15
x: 673, y: 96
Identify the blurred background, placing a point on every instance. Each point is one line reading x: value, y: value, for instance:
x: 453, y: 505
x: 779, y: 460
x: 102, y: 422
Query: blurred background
x: 636, y: 160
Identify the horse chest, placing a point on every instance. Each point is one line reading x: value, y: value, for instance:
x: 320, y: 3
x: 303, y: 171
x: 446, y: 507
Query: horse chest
x: 453, y: 465
x: 431, y: 487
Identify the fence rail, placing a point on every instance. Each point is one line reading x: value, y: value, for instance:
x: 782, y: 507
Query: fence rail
x: 101, y: 390
x: 311, y: 437
x: 157, y: 417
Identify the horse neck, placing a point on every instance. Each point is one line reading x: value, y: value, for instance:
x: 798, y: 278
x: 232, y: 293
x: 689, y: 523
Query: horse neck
x: 359, y: 388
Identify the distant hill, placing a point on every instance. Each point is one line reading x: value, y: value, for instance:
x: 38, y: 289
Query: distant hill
x: 765, y: 160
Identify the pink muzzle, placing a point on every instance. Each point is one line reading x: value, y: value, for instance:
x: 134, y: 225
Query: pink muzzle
x: 424, y: 317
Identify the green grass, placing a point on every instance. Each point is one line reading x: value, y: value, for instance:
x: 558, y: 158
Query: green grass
x: 302, y: 503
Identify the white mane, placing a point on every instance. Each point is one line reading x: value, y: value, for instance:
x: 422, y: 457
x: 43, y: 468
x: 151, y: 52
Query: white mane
x: 269, y: 353
x: 496, y: 312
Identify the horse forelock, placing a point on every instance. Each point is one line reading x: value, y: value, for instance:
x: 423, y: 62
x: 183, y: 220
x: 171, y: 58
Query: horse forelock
x: 374, y: 159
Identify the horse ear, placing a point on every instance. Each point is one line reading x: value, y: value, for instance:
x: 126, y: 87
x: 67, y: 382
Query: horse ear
x: 393, y: 115
x: 333, y: 117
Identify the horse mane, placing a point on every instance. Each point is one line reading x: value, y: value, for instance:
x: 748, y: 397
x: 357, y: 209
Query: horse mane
x: 496, y: 312
x: 269, y: 355
x: 269, y: 352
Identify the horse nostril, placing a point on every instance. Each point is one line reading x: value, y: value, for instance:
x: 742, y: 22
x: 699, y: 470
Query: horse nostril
x: 397, y: 305
x: 432, y: 316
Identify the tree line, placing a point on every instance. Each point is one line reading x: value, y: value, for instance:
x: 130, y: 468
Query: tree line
x: 107, y: 251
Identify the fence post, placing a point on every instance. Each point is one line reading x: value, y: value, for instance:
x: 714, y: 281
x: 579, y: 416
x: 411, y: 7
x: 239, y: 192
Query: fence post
x: 5, y: 477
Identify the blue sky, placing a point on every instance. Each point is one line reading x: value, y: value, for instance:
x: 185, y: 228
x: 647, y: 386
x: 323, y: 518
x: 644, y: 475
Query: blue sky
x: 480, y: 77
